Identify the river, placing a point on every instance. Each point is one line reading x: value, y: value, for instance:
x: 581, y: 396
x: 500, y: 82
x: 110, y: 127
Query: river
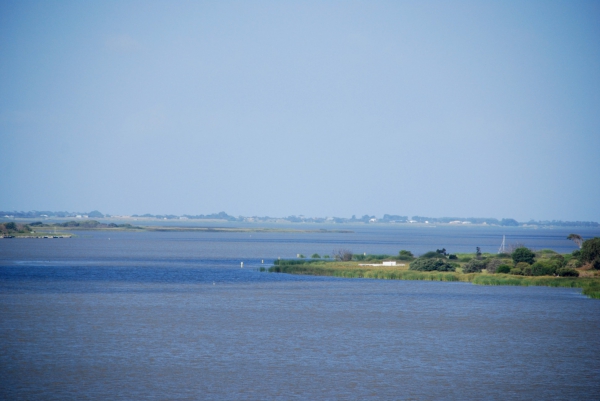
x: 151, y: 315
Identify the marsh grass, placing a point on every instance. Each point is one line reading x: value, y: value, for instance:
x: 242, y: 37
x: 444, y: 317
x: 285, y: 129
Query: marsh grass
x: 589, y: 286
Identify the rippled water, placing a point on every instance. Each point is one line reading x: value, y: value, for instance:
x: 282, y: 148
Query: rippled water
x: 173, y: 316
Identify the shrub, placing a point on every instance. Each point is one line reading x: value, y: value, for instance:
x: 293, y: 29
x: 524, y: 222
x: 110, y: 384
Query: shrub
x: 474, y: 266
x: 432, y: 264
x: 316, y: 256
x: 516, y: 271
x: 521, y: 269
x: 543, y: 268
x: 452, y: 257
x: 522, y: 265
x: 503, y: 255
x: 492, y: 265
x: 566, y: 272
x: 590, y: 250
x: 523, y: 254
x: 405, y: 255
x: 378, y: 257
x: 342, y: 254
x: 10, y: 226
x: 559, y: 260
x: 503, y: 269
x: 527, y: 271
x: 432, y: 254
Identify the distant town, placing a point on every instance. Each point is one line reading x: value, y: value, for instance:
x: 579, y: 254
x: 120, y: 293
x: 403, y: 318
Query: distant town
x: 366, y: 219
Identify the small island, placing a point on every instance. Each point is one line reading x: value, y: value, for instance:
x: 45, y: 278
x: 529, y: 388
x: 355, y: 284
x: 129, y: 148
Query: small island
x: 521, y: 266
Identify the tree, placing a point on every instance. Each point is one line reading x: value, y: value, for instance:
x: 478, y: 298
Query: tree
x: 559, y: 260
x: 343, y: 254
x: 431, y: 265
x: 523, y: 254
x: 432, y: 254
x: 405, y: 255
x: 478, y: 253
x: 590, y: 251
x: 474, y: 266
x: 503, y: 269
x: 493, y: 265
x: 10, y: 226
x: 543, y: 268
x: 95, y: 214
x: 576, y: 238
x: 566, y: 272
x: 316, y: 256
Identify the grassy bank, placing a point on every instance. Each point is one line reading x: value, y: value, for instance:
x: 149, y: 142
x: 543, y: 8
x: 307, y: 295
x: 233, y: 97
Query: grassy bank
x: 589, y: 286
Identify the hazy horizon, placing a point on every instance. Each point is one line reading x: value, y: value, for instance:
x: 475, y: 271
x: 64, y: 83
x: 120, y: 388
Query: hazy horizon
x: 392, y: 218
x: 465, y: 108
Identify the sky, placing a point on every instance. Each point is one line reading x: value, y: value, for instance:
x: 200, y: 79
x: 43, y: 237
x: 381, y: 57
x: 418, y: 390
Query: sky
x: 324, y: 108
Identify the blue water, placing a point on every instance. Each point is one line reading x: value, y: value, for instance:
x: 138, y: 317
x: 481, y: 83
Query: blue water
x: 173, y: 316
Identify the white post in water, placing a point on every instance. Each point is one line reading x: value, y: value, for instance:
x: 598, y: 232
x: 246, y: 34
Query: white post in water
x: 242, y: 265
x: 262, y: 261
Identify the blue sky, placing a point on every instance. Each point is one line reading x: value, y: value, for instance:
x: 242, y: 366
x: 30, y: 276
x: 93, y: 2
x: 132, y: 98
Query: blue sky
x: 486, y: 109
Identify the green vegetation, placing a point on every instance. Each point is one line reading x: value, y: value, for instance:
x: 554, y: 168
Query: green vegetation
x: 11, y: 229
x: 589, y: 286
x: 503, y: 269
x: 430, y: 264
x: 474, y: 266
x: 433, y: 254
x: 547, y: 268
x: 590, y: 252
x: 523, y: 254
x: 405, y: 255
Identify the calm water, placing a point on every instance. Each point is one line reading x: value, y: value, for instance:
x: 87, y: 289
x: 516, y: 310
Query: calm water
x: 172, y: 316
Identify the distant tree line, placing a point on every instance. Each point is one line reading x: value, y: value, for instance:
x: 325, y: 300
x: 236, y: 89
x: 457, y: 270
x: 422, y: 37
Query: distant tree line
x: 387, y: 218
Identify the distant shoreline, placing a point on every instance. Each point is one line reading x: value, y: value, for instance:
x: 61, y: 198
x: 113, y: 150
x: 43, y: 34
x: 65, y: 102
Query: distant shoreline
x: 208, y: 229
x: 49, y: 230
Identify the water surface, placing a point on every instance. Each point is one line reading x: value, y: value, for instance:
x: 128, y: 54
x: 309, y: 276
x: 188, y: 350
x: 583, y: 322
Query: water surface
x: 173, y: 316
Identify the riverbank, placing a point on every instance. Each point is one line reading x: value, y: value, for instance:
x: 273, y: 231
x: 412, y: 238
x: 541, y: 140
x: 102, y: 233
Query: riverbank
x: 590, y: 286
